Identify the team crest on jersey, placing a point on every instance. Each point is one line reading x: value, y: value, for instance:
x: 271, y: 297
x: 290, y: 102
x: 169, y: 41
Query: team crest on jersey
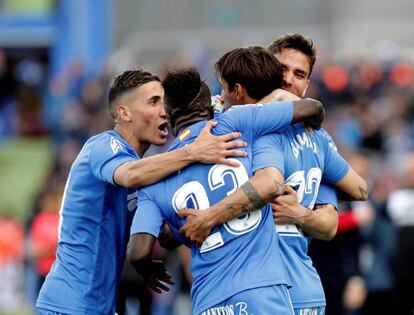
x: 116, y: 145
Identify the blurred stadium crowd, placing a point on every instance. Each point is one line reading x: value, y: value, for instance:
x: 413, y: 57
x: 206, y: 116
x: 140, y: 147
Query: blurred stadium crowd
x: 369, y: 112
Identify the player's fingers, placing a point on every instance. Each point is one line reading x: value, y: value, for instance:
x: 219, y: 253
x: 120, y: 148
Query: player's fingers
x: 233, y: 163
x: 161, y: 286
x: 207, y: 128
x: 230, y: 136
x: 183, y: 213
x: 168, y: 280
x: 235, y: 144
x: 239, y: 153
x: 153, y: 287
x: 289, y: 189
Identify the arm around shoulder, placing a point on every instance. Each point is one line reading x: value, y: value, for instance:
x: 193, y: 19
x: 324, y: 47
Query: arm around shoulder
x: 309, y: 111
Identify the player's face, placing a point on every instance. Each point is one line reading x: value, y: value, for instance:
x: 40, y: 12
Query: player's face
x: 148, y: 115
x: 296, y: 70
x: 230, y: 97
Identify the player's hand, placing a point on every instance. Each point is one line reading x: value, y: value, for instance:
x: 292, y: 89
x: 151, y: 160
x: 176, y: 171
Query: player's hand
x: 287, y: 209
x: 279, y: 95
x: 210, y: 149
x: 156, y: 276
x: 195, y: 228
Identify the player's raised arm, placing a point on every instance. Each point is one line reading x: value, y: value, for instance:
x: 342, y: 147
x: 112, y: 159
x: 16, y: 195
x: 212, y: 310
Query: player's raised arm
x: 307, y: 110
x: 263, y: 187
x: 205, y: 149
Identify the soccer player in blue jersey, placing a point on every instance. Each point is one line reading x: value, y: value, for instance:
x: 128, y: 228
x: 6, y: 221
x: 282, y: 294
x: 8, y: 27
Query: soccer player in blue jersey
x: 224, y: 267
x: 101, y: 193
x: 320, y: 223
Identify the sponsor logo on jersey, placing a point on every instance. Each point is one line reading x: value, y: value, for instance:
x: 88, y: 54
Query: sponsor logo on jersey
x: 116, y: 145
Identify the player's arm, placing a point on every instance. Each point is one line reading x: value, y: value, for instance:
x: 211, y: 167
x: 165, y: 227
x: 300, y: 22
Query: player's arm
x: 352, y: 186
x: 152, y: 271
x: 337, y: 171
x: 263, y: 187
x: 320, y: 223
x: 205, y: 149
x: 308, y: 111
x: 167, y: 239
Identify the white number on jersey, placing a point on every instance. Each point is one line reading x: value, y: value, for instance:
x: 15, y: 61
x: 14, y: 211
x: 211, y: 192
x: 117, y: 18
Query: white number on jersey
x: 195, y: 192
x: 305, y: 185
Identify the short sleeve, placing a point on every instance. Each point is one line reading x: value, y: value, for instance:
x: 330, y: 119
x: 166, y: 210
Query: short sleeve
x: 327, y: 195
x: 148, y: 218
x: 180, y: 237
x: 335, y: 167
x: 267, y: 152
x: 107, y: 154
x: 259, y: 120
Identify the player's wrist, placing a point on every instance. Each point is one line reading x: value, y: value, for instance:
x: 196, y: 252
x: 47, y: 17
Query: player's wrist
x: 304, y: 217
x: 211, y: 217
x: 190, y: 152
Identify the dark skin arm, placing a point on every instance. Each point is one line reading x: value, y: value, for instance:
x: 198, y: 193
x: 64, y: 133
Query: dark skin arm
x: 152, y: 271
x: 263, y: 187
x: 308, y: 111
x: 167, y: 239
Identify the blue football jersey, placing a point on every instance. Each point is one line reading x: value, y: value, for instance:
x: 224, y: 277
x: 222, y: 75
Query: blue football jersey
x: 95, y: 218
x: 240, y: 254
x: 304, y: 160
x: 327, y: 195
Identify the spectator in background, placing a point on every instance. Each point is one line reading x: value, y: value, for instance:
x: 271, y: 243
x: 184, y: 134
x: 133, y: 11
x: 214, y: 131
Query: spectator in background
x: 44, y: 234
x: 11, y: 255
x: 401, y: 209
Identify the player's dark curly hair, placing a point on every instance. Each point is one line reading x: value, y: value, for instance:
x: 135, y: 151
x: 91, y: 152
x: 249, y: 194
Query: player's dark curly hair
x: 126, y: 82
x: 186, y: 97
x: 253, y: 67
x: 298, y: 42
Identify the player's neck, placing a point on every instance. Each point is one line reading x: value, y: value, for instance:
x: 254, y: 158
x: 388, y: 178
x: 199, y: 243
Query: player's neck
x: 139, y: 146
x: 190, y: 119
x: 246, y: 99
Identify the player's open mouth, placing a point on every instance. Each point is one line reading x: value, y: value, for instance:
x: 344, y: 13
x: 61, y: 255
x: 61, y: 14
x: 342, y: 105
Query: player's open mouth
x: 163, y: 129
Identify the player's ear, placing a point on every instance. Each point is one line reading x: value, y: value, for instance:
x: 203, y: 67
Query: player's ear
x: 306, y: 88
x: 124, y: 113
x: 239, y: 91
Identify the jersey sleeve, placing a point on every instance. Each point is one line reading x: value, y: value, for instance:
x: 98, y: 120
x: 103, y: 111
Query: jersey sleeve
x: 268, y: 152
x: 335, y: 167
x: 106, y: 156
x: 148, y: 218
x: 180, y: 237
x: 260, y: 119
x: 327, y: 195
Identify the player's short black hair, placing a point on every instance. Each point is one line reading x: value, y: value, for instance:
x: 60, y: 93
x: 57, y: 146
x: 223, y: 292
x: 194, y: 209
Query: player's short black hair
x: 298, y: 42
x: 126, y: 82
x: 254, y: 67
x: 186, y: 95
